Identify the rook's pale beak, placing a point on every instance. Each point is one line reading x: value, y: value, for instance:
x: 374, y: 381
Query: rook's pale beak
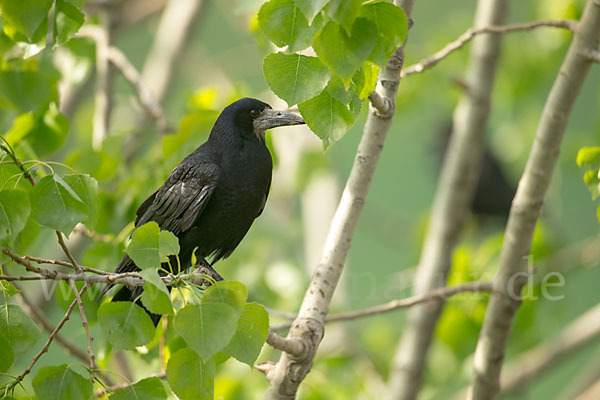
x: 273, y: 118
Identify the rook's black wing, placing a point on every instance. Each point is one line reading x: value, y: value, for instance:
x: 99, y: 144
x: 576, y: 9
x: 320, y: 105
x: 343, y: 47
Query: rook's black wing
x: 178, y: 203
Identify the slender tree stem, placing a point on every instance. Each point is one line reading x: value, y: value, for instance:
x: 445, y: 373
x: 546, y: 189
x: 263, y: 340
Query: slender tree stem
x: 527, y: 206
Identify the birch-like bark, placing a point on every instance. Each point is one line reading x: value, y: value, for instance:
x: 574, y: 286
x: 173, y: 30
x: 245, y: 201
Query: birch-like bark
x: 288, y: 373
x: 527, y: 206
x: 452, y: 202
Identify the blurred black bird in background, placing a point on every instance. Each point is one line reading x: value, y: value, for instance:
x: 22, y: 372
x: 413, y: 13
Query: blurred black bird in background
x: 494, y: 192
x: 212, y: 197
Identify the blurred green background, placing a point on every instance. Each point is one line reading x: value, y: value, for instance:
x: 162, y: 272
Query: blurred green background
x: 221, y: 61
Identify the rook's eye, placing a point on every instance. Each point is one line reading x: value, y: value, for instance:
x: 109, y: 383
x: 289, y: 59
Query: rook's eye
x: 254, y: 113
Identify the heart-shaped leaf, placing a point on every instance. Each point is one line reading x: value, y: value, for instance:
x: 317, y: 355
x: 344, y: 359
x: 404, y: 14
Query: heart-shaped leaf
x: 295, y: 78
x: 344, y: 54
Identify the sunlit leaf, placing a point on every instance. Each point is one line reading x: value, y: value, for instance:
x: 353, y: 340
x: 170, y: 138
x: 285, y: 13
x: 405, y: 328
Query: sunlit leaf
x: 295, y: 78
x: 24, y: 16
x: 589, y: 157
x: 150, y: 246
x: 68, y: 19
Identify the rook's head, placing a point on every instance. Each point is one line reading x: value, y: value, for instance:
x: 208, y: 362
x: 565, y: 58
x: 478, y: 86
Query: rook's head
x: 251, y: 118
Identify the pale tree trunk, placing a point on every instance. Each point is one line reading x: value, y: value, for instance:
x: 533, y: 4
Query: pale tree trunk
x: 527, y: 205
x: 452, y: 202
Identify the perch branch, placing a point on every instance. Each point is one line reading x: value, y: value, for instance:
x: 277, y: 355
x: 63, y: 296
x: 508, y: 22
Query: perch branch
x: 291, y: 346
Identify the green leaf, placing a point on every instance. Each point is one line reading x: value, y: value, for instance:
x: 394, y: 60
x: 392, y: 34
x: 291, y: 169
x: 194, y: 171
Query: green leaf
x: 86, y: 188
x: 68, y: 19
x: 147, y: 389
x: 282, y: 21
x: 150, y: 246
x: 598, y: 212
x: 589, y: 157
x: 366, y: 79
x: 250, y: 335
x: 25, y: 90
x: 54, y: 204
x: 20, y: 331
x: 326, y: 117
x: 189, y: 377
x: 206, y: 328
x: 8, y: 289
x: 156, y: 297
x: 24, y: 16
x: 46, y: 132
x: 168, y: 244
x: 14, y: 211
x: 344, y: 12
x: 345, y: 54
x: 231, y: 293
x: 6, y: 354
x: 143, y: 248
x: 390, y: 24
x: 310, y: 8
x: 10, y: 172
x: 125, y: 324
x: 61, y: 383
x: 592, y: 180
x: 295, y: 78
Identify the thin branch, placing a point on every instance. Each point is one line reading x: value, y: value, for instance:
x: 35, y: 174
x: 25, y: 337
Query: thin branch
x: 144, y: 94
x: 63, y: 245
x: 65, y: 264
x: 466, y: 37
x: 434, y: 295
x: 527, y: 206
x: 84, y: 321
x: 130, y: 279
x: 44, y: 349
x: 291, y: 346
x: 288, y: 373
